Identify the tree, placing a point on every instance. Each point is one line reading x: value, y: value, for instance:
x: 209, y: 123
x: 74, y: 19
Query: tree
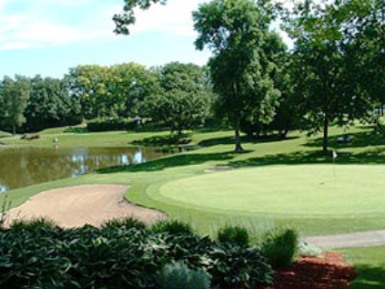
x: 89, y: 85
x: 183, y: 99
x: 127, y: 17
x: 14, y: 99
x: 49, y: 105
x: 129, y: 85
x: 236, y: 31
x: 365, y: 34
x: 322, y: 66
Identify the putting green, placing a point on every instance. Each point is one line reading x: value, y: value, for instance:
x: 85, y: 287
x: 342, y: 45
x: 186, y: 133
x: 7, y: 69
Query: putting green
x: 354, y: 190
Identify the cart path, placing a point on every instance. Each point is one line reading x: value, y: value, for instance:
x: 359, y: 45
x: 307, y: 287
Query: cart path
x: 350, y: 240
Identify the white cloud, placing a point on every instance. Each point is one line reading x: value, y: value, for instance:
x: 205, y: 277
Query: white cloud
x: 50, y: 24
x: 174, y: 18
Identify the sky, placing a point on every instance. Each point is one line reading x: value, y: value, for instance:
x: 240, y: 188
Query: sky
x: 47, y: 37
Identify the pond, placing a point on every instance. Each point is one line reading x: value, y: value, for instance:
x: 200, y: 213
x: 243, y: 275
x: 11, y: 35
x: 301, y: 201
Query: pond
x: 21, y: 167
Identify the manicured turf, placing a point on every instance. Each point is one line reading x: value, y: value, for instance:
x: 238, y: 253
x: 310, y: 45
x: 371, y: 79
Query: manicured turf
x: 370, y: 266
x: 299, y: 190
x: 148, y: 182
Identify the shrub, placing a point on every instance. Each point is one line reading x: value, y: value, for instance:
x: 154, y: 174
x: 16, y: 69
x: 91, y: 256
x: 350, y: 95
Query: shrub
x: 173, y: 227
x: 32, y: 224
x: 234, y: 234
x: 280, y: 246
x: 31, y: 259
x: 178, y: 276
x: 128, y: 223
x: 236, y: 266
x: 111, y: 124
x: 307, y: 250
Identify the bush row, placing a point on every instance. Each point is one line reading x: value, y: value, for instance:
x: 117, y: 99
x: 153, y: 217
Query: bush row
x: 126, y: 254
x: 111, y: 125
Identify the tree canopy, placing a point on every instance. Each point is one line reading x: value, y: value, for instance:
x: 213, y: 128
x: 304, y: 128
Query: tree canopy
x: 237, y: 31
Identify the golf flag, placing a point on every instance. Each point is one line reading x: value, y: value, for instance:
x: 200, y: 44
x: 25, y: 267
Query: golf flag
x: 334, y: 154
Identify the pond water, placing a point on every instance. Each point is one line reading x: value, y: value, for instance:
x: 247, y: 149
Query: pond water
x: 21, y: 167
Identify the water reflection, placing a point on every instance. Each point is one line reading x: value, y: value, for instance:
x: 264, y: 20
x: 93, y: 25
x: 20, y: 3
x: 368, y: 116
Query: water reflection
x: 27, y: 166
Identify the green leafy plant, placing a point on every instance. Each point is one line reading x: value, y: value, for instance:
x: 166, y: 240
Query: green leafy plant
x: 128, y: 222
x: 234, y: 234
x: 177, y: 275
x: 32, y: 224
x: 236, y: 266
x: 172, y: 227
x: 280, y: 246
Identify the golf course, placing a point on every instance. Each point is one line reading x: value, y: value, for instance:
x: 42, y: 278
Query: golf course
x: 274, y: 183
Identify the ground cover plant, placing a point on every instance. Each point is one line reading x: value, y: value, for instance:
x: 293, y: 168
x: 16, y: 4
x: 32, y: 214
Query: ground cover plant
x: 126, y: 256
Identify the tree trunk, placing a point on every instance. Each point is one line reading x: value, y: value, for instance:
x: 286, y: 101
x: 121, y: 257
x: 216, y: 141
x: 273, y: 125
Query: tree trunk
x: 326, y: 134
x: 238, y: 146
x: 13, y: 129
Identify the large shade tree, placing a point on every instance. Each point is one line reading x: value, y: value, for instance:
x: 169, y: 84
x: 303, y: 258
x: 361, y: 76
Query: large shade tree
x: 236, y: 31
x: 49, y: 104
x: 14, y: 95
x: 183, y: 99
x: 322, y: 64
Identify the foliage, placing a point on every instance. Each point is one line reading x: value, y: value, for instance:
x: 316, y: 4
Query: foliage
x: 280, y: 246
x: 127, y: 17
x: 237, y: 266
x: 14, y: 95
x: 50, y: 105
x: 177, y: 275
x: 32, y: 224
x: 110, y: 91
x: 241, y: 69
x: 172, y: 227
x: 42, y: 256
x: 127, y: 223
x: 328, y: 65
x: 234, y: 235
x: 183, y: 100
x: 111, y: 125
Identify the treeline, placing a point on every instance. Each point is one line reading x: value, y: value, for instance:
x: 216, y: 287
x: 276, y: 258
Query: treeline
x: 176, y: 95
x: 334, y: 74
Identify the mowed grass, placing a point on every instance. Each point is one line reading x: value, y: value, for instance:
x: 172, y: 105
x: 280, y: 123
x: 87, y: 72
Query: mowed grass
x: 370, y: 266
x: 215, y: 150
x: 299, y: 190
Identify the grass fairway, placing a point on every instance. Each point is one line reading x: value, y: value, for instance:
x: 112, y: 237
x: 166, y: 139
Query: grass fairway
x: 295, y: 191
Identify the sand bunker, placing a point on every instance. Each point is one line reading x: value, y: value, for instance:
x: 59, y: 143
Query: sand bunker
x: 86, y: 204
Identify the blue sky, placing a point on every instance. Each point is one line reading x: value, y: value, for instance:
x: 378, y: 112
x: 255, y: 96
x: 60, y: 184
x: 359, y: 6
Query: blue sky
x: 48, y: 37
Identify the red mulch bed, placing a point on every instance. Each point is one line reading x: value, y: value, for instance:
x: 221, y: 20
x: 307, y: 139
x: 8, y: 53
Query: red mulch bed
x: 329, y: 271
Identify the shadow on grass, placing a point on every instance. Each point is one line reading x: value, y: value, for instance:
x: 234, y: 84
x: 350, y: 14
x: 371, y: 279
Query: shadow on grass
x: 244, y: 139
x: 167, y: 140
x: 172, y: 161
x: 312, y: 157
x: 369, y: 277
x: 359, y: 139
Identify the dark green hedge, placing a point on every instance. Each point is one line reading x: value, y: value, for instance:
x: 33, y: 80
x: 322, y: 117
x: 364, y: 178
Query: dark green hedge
x: 111, y: 125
